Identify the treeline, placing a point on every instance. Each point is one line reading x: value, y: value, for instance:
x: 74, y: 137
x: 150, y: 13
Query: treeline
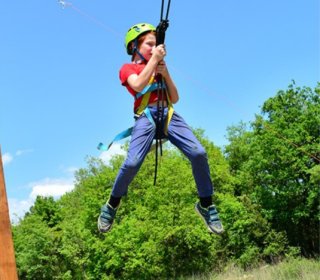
x: 266, y: 189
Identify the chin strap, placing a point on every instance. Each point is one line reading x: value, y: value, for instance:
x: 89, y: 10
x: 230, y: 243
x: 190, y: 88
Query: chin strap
x: 135, y: 50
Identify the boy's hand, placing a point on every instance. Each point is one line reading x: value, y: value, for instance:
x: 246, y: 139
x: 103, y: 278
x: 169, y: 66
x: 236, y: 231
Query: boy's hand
x: 162, y: 69
x: 159, y: 52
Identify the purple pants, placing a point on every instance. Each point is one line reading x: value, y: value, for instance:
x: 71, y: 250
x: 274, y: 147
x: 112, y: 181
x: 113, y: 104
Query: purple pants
x: 179, y: 135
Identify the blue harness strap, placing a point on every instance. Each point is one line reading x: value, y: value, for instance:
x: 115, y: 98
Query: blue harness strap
x: 148, y: 88
x: 121, y: 135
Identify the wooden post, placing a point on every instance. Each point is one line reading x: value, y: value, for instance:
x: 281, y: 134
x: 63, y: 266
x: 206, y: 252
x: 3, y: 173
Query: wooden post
x: 8, y: 268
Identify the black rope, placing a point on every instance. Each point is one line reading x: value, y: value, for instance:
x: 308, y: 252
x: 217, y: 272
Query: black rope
x: 168, y: 8
x: 159, y: 123
x: 160, y: 37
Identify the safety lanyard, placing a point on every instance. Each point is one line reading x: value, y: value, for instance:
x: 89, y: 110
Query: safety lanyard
x: 160, y: 36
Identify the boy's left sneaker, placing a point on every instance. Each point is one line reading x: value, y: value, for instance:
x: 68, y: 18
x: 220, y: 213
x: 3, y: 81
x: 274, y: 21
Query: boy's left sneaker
x: 210, y: 217
x: 106, y: 218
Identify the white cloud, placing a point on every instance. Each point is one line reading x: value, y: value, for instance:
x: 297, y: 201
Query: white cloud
x: 51, y: 187
x: 21, y: 152
x: 68, y: 170
x: 71, y: 170
x: 115, y: 149
x: 6, y: 158
x: 18, y: 208
x: 46, y: 187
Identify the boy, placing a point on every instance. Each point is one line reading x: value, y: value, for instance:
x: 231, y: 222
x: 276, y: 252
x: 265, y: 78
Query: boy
x: 140, y: 77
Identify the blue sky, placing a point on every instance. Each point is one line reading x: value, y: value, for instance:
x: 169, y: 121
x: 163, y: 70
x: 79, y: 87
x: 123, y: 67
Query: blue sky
x: 61, y: 95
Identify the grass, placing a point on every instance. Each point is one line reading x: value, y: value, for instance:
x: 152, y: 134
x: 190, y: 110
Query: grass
x: 294, y: 269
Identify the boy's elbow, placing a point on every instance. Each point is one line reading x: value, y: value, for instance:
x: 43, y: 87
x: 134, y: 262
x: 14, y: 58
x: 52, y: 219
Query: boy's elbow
x: 135, y: 83
x: 137, y: 86
x: 174, y: 99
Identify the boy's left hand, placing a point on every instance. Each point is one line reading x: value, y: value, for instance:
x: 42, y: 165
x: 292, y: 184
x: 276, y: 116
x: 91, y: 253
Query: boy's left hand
x: 162, y: 69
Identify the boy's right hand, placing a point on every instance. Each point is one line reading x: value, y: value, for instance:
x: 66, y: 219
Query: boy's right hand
x: 159, y: 52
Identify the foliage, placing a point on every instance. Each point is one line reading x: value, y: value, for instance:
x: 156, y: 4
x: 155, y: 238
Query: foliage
x: 265, y: 191
x: 279, y: 166
x: 36, y: 245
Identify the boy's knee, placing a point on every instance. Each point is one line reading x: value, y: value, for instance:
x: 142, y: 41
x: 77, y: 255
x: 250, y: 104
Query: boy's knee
x: 132, y: 165
x: 199, y: 154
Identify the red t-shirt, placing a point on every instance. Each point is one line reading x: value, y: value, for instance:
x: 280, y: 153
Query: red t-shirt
x: 132, y: 68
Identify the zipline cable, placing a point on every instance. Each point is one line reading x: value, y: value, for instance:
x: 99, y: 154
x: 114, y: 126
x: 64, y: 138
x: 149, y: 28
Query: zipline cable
x: 67, y: 4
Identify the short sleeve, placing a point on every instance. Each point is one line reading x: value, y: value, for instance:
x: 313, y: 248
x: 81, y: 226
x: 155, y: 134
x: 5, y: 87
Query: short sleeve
x: 126, y: 71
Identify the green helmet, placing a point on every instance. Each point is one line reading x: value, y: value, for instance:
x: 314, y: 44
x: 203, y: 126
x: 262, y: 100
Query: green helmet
x: 135, y: 31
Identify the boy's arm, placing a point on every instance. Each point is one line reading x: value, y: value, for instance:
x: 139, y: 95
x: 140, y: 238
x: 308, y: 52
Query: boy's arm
x: 138, y: 82
x: 171, y: 87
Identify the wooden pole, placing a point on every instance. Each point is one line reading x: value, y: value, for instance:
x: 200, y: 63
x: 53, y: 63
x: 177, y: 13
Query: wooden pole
x: 8, y: 268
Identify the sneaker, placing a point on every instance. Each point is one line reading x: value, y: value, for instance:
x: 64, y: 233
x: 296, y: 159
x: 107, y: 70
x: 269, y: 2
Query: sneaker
x: 106, y: 218
x: 210, y: 217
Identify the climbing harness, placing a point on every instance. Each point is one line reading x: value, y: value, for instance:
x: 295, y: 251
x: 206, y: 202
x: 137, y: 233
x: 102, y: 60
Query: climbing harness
x: 142, y: 109
x: 161, y: 124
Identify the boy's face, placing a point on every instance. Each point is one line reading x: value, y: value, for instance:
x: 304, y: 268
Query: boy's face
x: 147, y: 46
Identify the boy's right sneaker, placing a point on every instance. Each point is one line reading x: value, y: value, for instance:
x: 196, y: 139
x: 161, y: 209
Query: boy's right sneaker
x: 106, y: 218
x: 210, y: 217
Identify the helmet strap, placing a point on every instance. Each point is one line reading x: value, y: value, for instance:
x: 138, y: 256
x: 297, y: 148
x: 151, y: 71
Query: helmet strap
x: 135, y: 50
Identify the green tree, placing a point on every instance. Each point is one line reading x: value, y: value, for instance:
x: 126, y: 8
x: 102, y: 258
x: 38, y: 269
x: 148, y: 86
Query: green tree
x: 46, y: 208
x: 36, y: 244
x: 280, y: 163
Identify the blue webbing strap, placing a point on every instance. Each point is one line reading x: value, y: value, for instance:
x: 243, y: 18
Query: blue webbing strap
x: 149, y: 116
x: 148, y: 88
x: 122, y: 135
x: 126, y: 133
